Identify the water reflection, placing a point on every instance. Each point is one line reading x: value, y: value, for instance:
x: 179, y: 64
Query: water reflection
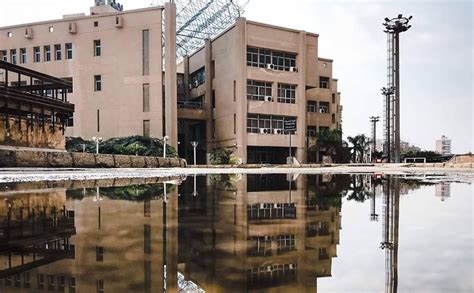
x: 218, y: 233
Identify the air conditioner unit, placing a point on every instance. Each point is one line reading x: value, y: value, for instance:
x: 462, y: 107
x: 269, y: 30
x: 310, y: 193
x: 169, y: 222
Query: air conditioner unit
x: 196, y: 83
x: 118, y: 22
x: 269, y: 66
x: 262, y: 130
x: 268, y: 98
x: 72, y: 28
x: 292, y: 266
x: 268, y: 238
x: 29, y: 33
x: 190, y: 86
x: 262, y: 205
x: 269, y: 268
x: 294, y: 69
x: 277, y: 131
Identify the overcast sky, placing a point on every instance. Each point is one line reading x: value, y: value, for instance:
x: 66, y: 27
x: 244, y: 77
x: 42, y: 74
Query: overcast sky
x: 436, y: 56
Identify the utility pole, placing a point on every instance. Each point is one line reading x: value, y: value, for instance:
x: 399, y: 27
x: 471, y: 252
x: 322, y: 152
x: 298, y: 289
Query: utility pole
x: 374, y: 120
x: 393, y: 28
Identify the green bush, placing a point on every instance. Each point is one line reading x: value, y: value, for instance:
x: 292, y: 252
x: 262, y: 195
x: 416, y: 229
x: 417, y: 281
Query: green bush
x: 131, y: 145
x: 224, y: 157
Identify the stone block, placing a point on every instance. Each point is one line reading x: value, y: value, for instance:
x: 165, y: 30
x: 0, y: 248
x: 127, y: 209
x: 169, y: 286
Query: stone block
x: 151, y: 162
x: 31, y: 159
x: 7, y: 158
x: 104, y: 161
x: 83, y: 160
x: 122, y: 161
x: 138, y: 161
x: 60, y: 159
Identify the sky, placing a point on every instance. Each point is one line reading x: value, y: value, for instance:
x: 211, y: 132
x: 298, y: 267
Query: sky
x: 436, y: 55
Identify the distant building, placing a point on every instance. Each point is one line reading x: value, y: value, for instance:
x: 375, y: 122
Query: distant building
x: 443, y: 146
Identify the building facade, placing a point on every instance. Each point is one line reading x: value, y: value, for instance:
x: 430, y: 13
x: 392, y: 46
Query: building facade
x: 251, y: 79
x: 443, y: 146
x: 236, y: 92
x: 115, y: 61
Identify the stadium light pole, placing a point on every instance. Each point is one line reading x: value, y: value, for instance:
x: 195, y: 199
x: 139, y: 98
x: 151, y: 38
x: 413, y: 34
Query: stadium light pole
x: 374, y: 120
x: 393, y: 28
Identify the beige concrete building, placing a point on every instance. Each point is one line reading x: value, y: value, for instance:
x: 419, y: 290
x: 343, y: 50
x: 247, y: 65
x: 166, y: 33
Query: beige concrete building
x: 235, y: 92
x: 115, y: 61
x: 247, y: 81
x: 443, y: 146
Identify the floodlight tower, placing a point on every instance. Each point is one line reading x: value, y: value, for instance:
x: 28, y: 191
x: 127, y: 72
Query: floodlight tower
x: 393, y: 28
x: 374, y: 120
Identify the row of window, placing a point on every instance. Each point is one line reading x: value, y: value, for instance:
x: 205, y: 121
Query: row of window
x: 269, y: 124
x: 43, y: 282
x: 311, y: 131
x: 49, y: 52
x: 266, y: 58
x: 313, y: 107
x: 262, y: 91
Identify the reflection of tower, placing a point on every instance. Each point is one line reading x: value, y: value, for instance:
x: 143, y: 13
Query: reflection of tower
x: 443, y: 190
x: 390, y: 232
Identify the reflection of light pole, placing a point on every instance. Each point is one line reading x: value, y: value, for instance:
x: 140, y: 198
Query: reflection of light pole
x: 97, y: 140
x: 195, y: 193
x: 165, y: 139
x: 194, y: 144
x: 165, y: 199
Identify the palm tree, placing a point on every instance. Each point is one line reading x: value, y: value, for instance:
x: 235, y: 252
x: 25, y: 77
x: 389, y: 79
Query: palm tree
x: 360, y: 144
x: 328, y: 141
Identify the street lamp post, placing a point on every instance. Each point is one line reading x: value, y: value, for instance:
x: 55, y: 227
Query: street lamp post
x: 194, y: 144
x: 165, y: 139
x: 374, y: 120
x: 97, y: 140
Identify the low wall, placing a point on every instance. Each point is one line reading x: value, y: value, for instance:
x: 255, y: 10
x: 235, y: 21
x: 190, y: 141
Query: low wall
x: 30, y: 158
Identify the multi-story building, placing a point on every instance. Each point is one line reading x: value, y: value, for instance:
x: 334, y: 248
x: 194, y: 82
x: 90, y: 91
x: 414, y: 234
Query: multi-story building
x: 235, y: 92
x: 247, y: 82
x: 443, y: 146
x: 115, y: 61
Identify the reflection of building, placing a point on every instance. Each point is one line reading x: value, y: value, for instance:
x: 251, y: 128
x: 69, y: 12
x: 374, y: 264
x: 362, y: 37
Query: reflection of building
x: 443, y: 146
x: 258, y: 232
x: 443, y: 190
x: 126, y: 241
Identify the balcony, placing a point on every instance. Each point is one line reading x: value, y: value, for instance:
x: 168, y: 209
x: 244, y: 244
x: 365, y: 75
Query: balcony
x: 190, y: 105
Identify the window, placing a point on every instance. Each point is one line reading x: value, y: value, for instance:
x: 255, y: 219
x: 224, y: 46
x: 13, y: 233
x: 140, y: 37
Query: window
x: 47, y: 53
x: 51, y: 280
x: 97, y: 83
x: 333, y: 118
x: 198, y: 77
x: 260, y: 246
x: 3, y: 55
x: 70, y: 122
x: 9, y: 34
x: 323, y: 253
x: 51, y: 29
x: 323, y: 107
x: 98, y: 130
x: 285, y: 243
x: 97, y: 48
x: 40, y: 281
x: 265, y: 58
x: 235, y: 90
x: 36, y: 54
x: 267, y: 124
x: 99, y: 253
x: 72, y: 284
x: 258, y: 90
x: 23, y: 55
x: 100, y: 286
x: 323, y: 129
x: 146, y: 97
x: 333, y: 98
x: 286, y: 93
x: 146, y: 51
x: 235, y: 123
x: 147, y: 239
x: 13, y: 58
x: 146, y: 128
x: 312, y: 106
x: 324, y: 82
x: 69, y: 51
x: 96, y: 23
x: 57, y: 52
x: 311, y: 131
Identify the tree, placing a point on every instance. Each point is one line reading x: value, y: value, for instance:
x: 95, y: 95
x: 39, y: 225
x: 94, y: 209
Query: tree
x: 331, y: 144
x: 360, y: 144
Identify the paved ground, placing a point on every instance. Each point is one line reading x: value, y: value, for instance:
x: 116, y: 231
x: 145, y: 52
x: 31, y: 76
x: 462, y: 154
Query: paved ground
x: 51, y: 174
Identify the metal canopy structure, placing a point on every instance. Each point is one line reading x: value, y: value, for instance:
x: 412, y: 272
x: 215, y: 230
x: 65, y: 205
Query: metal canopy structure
x: 199, y: 20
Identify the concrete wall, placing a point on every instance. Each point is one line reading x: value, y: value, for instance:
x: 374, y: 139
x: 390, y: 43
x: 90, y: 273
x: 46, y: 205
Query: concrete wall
x: 27, y: 158
x: 23, y: 136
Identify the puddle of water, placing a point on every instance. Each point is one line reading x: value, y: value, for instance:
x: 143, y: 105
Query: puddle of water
x: 237, y: 233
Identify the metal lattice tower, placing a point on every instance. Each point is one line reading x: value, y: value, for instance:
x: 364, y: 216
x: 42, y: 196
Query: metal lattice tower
x: 391, y: 117
x: 373, y: 121
x: 199, y: 20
